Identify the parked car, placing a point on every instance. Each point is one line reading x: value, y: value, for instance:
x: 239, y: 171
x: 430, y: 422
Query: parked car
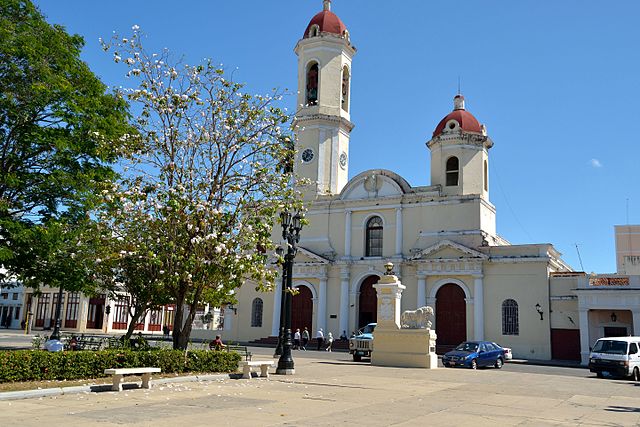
x: 473, y: 354
x: 616, y: 356
x: 361, y: 345
x: 507, y: 353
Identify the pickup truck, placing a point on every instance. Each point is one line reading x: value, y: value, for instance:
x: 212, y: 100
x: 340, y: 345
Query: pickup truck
x: 361, y: 345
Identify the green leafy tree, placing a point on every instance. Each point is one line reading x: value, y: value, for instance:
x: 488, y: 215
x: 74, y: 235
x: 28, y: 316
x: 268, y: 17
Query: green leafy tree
x: 205, y: 182
x: 59, y: 131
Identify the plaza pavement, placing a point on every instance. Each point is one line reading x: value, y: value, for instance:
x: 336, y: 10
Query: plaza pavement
x: 337, y: 391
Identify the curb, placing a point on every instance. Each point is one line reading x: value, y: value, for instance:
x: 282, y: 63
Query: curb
x: 552, y: 363
x: 96, y: 388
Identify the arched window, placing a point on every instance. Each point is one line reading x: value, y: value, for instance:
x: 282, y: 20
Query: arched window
x: 345, y: 88
x: 313, y: 76
x: 510, y: 317
x: 374, y: 237
x: 453, y: 166
x: 486, y: 176
x: 256, y: 313
x: 314, y: 31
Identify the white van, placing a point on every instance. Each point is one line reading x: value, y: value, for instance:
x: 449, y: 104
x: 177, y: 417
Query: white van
x: 616, y: 356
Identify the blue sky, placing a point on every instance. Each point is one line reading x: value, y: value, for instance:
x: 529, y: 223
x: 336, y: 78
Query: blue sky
x: 555, y: 82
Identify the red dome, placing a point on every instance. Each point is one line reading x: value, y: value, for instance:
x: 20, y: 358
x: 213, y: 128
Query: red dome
x: 465, y: 119
x: 328, y: 23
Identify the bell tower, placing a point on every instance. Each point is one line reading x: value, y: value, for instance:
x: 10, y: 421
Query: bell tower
x: 460, y: 154
x: 322, y: 119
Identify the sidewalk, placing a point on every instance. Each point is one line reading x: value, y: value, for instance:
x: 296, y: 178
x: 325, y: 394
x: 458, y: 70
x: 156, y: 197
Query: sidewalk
x: 339, y: 392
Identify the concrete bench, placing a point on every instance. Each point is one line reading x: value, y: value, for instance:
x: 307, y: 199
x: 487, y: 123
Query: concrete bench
x: 263, y: 364
x: 118, y: 374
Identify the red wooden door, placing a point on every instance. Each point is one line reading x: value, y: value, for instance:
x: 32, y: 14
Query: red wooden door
x: 451, y: 315
x: 302, y: 310
x: 565, y: 344
x: 368, y: 302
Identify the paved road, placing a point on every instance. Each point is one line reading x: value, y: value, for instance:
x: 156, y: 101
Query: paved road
x: 329, y: 389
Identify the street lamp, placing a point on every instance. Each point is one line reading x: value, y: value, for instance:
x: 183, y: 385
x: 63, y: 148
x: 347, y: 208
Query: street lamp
x: 53, y: 343
x: 291, y: 226
x: 278, y: 352
x: 539, y: 310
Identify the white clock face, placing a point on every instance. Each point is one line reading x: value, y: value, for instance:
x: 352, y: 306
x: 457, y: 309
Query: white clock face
x: 307, y: 155
x: 343, y: 160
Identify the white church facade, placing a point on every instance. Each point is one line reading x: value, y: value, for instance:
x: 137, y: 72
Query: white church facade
x: 441, y: 238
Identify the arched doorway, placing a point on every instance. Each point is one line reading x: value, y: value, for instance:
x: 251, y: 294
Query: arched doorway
x: 302, y: 309
x: 451, y: 316
x: 368, y: 302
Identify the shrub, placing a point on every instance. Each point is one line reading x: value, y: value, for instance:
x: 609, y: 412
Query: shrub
x: 35, y: 365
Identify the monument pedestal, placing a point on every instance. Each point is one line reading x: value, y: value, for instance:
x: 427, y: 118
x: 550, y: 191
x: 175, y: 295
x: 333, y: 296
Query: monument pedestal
x: 409, y: 348
x: 393, y: 346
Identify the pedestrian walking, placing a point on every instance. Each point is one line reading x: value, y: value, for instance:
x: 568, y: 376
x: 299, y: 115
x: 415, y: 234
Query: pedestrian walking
x: 319, y: 338
x: 305, y: 338
x: 329, y: 342
x: 296, y: 339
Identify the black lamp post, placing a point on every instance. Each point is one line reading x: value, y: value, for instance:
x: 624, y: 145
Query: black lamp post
x: 55, y: 335
x: 291, y: 226
x: 278, y: 351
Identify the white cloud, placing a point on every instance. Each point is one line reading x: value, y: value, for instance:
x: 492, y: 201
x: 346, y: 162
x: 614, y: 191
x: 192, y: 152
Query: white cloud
x: 595, y: 163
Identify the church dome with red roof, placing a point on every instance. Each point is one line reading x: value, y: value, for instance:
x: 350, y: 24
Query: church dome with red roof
x: 464, y: 119
x: 326, y: 22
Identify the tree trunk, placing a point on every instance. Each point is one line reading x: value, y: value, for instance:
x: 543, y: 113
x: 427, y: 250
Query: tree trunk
x: 182, y: 329
x: 135, y: 317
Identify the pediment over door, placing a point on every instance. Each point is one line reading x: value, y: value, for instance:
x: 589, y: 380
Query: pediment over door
x: 449, y: 250
x: 305, y: 256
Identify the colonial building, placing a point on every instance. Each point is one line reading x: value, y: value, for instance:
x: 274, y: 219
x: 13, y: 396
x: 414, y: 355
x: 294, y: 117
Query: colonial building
x: 441, y: 238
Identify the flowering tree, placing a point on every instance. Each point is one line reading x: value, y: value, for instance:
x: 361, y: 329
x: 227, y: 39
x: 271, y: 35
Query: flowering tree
x: 203, y: 182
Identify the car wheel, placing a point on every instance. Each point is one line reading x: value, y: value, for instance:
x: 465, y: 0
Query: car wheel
x: 474, y: 364
x: 499, y: 363
x: 636, y: 374
x: 357, y: 358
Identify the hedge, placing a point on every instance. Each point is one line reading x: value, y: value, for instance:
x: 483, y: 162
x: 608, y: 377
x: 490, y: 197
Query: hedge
x: 36, y: 365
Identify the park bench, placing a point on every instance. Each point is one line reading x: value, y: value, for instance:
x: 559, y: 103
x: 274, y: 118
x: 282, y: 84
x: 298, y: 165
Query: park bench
x: 240, y: 349
x: 263, y: 364
x: 90, y: 343
x: 119, y: 373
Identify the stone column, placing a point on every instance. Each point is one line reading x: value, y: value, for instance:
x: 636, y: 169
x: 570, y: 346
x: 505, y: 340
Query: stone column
x: 322, y: 304
x: 636, y: 322
x: 584, y: 335
x: 478, y: 308
x: 389, y: 291
x: 399, y: 231
x: 347, y: 234
x: 277, y: 298
x: 422, y: 290
x: 344, y: 300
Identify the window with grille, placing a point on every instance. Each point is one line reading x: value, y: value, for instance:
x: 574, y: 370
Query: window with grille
x: 510, y: 317
x: 256, y: 313
x: 374, y: 237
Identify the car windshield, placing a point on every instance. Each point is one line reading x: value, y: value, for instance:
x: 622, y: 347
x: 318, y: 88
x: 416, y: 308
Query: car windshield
x: 468, y: 346
x: 368, y: 329
x: 610, y: 347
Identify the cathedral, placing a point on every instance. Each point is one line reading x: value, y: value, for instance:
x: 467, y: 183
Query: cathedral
x: 441, y: 238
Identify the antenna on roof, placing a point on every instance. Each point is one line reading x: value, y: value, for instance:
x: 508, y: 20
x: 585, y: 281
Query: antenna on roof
x: 627, y: 211
x: 579, y: 257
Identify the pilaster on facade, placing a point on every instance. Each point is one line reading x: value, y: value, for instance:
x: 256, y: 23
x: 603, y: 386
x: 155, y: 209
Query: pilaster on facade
x: 422, y: 290
x: 478, y: 307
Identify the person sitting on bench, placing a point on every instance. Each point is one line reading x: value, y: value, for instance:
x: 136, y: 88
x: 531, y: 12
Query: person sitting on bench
x: 216, y: 344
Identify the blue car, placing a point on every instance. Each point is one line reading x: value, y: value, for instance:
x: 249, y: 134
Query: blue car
x: 473, y: 354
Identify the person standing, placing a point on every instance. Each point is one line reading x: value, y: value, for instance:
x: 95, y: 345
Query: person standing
x: 296, y: 339
x: 305, y: 338
x: 329, y: 342
x: 319, y: 338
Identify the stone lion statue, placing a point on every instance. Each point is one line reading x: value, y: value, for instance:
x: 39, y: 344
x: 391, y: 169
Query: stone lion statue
x: 417, y: 319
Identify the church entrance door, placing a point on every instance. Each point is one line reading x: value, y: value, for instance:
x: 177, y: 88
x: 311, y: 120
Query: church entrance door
x: 451, y: 317
x: 302, y: 310
x: 368, y: 302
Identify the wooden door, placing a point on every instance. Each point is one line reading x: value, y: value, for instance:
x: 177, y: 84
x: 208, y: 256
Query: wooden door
x: 451, y: 315
x: 302, y: 310
x: 368, y: 302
